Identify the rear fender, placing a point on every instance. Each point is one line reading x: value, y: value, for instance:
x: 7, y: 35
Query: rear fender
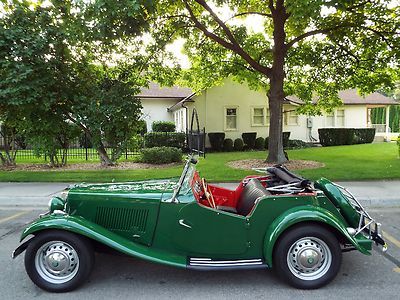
x: 98, y: 233
x: 300, y: 214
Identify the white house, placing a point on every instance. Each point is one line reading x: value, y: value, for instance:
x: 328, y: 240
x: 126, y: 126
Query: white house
x: 234, y: 108
x: 157, y: 100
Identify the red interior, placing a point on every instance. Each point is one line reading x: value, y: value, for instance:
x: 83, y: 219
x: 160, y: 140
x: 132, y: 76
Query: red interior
x: 222, y: 196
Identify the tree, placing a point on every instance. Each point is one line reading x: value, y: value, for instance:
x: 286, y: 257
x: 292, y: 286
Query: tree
x: 57, y: 63
x: 310, y: 49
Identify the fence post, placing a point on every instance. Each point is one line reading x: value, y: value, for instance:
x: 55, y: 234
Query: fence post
x: 86, y: 147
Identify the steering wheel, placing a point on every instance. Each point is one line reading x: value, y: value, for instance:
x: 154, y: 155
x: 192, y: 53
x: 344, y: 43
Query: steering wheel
x: 208, y: 195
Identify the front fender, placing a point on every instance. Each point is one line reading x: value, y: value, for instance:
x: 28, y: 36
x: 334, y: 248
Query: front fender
x: 305, y: 214
x: 98, y: 233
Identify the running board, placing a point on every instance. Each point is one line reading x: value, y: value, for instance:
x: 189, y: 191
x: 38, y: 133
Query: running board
x: 208, y: 264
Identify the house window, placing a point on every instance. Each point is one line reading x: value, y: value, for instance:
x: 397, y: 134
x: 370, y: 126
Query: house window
x: 292, y: 118
x: 330, y: 120
x: 231, y: 118
x: 340, y: 118
x: 258, y: 116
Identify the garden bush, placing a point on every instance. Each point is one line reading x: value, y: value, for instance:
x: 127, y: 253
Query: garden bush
x: 216, y: 140
x: 398, y: 144
x: 161, y: 155
x: 249, y: 139
x: 163, y: 126
x: 297, y: 144
x: 135, y: 143
x: 238, y: 144
x: 345, y: 136
x: 141, y: 127
x: 260, y: 143
x: 228, y: 145
x: 165, y: 139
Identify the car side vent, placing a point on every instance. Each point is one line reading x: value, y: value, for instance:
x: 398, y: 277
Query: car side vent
x: 122, y: 219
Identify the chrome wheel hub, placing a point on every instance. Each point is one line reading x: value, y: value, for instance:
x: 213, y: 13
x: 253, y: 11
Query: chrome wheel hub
x: 309, y: 258
x: 57, y: 262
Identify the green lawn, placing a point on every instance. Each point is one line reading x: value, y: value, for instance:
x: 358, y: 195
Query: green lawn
x: 357, y: 162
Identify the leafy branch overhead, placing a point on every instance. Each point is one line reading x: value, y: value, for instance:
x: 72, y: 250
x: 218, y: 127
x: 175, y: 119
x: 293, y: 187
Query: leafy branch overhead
x: 73, y: 62
x: 311, y: 49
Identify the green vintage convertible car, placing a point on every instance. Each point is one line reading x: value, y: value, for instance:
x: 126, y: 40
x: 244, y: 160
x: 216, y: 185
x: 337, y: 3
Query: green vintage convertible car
x: 274, y: 220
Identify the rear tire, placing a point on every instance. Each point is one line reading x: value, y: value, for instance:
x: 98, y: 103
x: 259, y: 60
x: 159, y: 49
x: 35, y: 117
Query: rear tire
x: 59, y: 261
x: 308, y: 257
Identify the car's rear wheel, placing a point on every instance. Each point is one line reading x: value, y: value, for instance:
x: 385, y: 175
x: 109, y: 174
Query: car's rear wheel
x: 59, y: 261
x: 308, y: 257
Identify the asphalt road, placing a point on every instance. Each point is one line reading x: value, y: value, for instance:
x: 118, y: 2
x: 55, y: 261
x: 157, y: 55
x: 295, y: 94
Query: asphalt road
x: 120, y: 277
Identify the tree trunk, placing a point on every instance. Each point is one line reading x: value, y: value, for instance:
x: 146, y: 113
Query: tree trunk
x: 276, y: 94
x: 104, y: 159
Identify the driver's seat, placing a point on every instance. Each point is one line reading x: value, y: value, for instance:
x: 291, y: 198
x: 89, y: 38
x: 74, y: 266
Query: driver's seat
x: 250, y: 193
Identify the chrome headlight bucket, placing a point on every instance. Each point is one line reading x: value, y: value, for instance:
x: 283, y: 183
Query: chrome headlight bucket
x: 56, y: 203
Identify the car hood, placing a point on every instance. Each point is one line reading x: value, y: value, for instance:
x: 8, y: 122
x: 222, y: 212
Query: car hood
x: 137, y: 187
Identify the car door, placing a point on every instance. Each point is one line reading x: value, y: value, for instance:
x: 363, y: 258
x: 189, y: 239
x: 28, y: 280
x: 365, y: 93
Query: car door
x: 200, y: 230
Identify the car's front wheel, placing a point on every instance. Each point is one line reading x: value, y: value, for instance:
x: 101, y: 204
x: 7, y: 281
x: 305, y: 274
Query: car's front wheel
x: 59, y: 261
x: 308, y: 257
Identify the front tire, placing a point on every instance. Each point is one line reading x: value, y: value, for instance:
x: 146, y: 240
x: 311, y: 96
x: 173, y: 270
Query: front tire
x: 308, y: 257
x: 59, y: 261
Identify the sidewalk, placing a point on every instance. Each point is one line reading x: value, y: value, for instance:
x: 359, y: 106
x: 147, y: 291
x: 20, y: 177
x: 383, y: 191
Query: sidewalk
x: 15, y: 194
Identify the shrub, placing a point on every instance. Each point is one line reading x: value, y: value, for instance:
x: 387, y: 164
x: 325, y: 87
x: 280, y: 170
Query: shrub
x: 163, y: 126
x: 398, y: 144
x: 216, y: 140
x: 249, y: 139
x: 228, y: 145
x: 164, y: 139
x: 260, y: 143
x: 298, y: 144
x: 238, y: 145
x: 141, y: 127
x: 285, y: 139
x: 135, y: 143
x: 161, y: 155
x: 345, y: 136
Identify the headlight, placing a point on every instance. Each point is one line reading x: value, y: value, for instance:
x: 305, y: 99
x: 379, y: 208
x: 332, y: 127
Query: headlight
x: 56, y: 203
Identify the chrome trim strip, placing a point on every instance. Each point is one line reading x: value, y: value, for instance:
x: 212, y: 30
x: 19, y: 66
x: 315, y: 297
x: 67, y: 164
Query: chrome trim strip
x: 226, y: 265
x: 225, y: 261
x: 182, y: 222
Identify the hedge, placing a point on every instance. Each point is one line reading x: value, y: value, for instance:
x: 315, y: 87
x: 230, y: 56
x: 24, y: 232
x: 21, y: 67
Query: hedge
x: 163, y: 126
x: 345, y: 136
x: 259, y: 145
x: 161, y: 155
x: 238, y: 145
x: 228, y: 145
x: 216, y: 140
x: 249, y: 139
x: 165, y: 139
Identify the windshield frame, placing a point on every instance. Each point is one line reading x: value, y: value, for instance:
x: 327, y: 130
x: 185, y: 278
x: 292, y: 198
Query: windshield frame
x: 190, y: 162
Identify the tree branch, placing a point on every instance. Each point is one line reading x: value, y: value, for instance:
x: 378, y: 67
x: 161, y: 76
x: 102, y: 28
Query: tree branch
x: 233, y: 45
x: 310, y: 33
x: 251, y: 13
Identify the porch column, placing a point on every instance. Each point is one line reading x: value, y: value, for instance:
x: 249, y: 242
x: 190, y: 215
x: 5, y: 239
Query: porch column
x: 387, y: 109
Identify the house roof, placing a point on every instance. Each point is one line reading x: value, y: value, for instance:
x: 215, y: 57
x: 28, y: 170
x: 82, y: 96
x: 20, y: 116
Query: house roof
x: 351, y: 97
x: 155, y: 91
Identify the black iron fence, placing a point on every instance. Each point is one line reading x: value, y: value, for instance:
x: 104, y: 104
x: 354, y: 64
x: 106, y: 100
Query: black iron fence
x: 76, y: 150
x: 81, y: 149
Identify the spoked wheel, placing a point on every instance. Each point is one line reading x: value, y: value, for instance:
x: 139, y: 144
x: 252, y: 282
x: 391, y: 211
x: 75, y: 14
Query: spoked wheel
x: 308, y: 257
x: 59, y: 261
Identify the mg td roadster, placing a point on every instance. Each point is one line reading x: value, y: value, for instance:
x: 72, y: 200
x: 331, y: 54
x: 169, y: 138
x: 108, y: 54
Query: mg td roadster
x: 272, y: 220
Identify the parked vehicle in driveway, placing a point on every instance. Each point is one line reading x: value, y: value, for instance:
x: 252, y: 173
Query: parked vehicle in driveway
x: 272, y: 220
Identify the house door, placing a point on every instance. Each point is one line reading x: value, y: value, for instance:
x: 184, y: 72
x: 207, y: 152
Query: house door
x: 180, y: 120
